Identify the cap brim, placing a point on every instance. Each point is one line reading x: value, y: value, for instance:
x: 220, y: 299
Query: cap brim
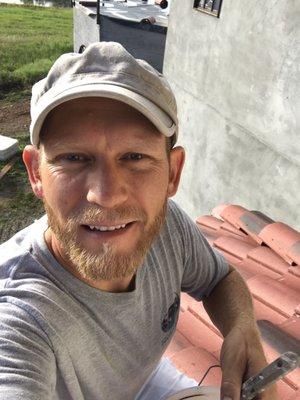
x: 156, y: 115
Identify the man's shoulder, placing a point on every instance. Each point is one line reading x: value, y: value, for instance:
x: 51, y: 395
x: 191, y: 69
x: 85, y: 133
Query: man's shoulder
x: 177, y: 216
x: 174, y: 210
x: 177, y: 228
x: 15, y: 249
x: 180, y: 227
x: 25, y: 281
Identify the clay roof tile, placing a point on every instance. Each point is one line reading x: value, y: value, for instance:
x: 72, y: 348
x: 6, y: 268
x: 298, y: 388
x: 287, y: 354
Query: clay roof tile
x: 284, y: 240
x: 265, y: 253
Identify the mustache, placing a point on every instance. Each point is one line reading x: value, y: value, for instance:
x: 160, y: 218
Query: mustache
x: 89, y: 214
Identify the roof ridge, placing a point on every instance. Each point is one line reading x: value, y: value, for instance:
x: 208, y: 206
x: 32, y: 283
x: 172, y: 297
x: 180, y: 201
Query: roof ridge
x: 278, y: 236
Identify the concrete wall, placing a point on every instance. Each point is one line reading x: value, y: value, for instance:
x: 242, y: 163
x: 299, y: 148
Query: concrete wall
x: 237, y: 82
x: 85, y: 28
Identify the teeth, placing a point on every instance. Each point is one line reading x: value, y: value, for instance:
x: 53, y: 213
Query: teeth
x: 106, y: 228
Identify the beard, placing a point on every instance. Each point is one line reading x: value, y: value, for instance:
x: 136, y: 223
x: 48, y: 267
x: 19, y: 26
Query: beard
x: 107, y: 262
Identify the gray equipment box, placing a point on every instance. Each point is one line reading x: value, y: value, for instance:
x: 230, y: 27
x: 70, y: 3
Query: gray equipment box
x: 8, y: 147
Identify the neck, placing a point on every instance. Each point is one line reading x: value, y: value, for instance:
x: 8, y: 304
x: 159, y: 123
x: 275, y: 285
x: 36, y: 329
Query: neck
x: 118, y: 285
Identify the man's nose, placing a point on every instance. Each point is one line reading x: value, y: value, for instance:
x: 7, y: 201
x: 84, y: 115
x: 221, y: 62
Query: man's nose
x: 107, y: 187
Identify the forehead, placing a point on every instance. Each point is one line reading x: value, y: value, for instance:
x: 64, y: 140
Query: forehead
x: 85, y: 119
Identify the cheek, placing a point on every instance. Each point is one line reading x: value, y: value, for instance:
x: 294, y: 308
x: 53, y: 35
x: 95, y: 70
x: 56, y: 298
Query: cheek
x: 61, y: 192
x: 151, y: 189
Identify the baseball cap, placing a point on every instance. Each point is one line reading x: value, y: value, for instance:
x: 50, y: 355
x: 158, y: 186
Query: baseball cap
x: 105, y: 69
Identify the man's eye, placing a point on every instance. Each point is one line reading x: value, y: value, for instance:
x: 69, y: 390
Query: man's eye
x: 134, y: 156
x: 74, y: 158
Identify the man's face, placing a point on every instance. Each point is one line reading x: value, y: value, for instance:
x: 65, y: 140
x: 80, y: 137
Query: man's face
x: 104, y: 177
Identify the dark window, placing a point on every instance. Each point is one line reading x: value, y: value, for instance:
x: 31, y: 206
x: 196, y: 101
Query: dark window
x: 212, y: 7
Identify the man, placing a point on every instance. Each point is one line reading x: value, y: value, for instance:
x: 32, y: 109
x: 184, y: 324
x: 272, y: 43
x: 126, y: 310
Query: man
x: 90, y: 295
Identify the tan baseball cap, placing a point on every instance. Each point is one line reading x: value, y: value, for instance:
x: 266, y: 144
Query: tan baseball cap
x: 105, y: 69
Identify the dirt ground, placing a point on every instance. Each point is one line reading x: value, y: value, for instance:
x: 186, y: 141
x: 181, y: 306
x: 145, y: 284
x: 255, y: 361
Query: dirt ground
x: 14, y: 117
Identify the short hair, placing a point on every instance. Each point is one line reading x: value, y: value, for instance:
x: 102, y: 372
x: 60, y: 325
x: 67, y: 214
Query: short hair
x: 170, y: 141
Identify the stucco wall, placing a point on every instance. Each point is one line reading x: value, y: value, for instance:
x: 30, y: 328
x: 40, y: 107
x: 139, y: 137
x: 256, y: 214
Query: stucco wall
x: 86, y: 30
x: 237, y: 82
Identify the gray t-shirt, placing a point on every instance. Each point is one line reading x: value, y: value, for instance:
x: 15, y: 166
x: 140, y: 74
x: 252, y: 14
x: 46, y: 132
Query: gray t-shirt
x: 62, y: 339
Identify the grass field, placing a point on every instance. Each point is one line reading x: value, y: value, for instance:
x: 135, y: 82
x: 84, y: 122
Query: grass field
x: 31, y: 38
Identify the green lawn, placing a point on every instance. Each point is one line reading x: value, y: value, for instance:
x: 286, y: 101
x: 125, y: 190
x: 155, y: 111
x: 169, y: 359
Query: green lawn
x: 31, y: 38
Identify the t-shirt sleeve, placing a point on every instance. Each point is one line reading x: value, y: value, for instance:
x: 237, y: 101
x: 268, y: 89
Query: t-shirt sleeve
x: 204, y: 266
x: 27, y: 362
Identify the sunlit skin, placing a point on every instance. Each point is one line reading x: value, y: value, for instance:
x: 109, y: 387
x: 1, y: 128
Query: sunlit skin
x: 103, y: 154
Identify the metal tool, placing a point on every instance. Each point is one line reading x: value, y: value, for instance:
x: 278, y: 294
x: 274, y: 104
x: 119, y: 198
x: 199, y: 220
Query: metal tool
x: 283, y: 365
x: 286, y: 363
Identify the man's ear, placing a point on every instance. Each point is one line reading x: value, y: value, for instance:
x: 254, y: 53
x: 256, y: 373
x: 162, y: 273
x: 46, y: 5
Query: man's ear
x: 177, y: 157
x: 31, y: 160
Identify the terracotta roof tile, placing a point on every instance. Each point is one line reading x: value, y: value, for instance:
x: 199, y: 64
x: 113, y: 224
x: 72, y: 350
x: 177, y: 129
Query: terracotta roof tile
x: 266, y: 257
x: 295, y: 270
x: 291, y: 281
x: 286, y: 392
x: 226, y: 227
x: 293, y: 252
x: 218, y: 225
x: 217, y: 211
x: 295, y: 396
x: 178, y: 343
x: 195, y: 362
x: 293, y: 379
x: 284, y: 240
x: 292, y: 327
x: 198, y: 333
x: 232, y: 246
x: 276, y: 338
x: 218, y: 228
x: 210, y: 234
x: 249, y: 268
x: 276, y: 295
x: 264, y: 252
x: 232, y: 259
x: 247, y: 221
x: 210, y: 222
x: 186, y: 301
x: 198, y: 311
x: 264, y: 312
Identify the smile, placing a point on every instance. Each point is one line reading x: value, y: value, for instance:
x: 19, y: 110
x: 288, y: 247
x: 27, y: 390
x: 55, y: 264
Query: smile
x: 106, y: 228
